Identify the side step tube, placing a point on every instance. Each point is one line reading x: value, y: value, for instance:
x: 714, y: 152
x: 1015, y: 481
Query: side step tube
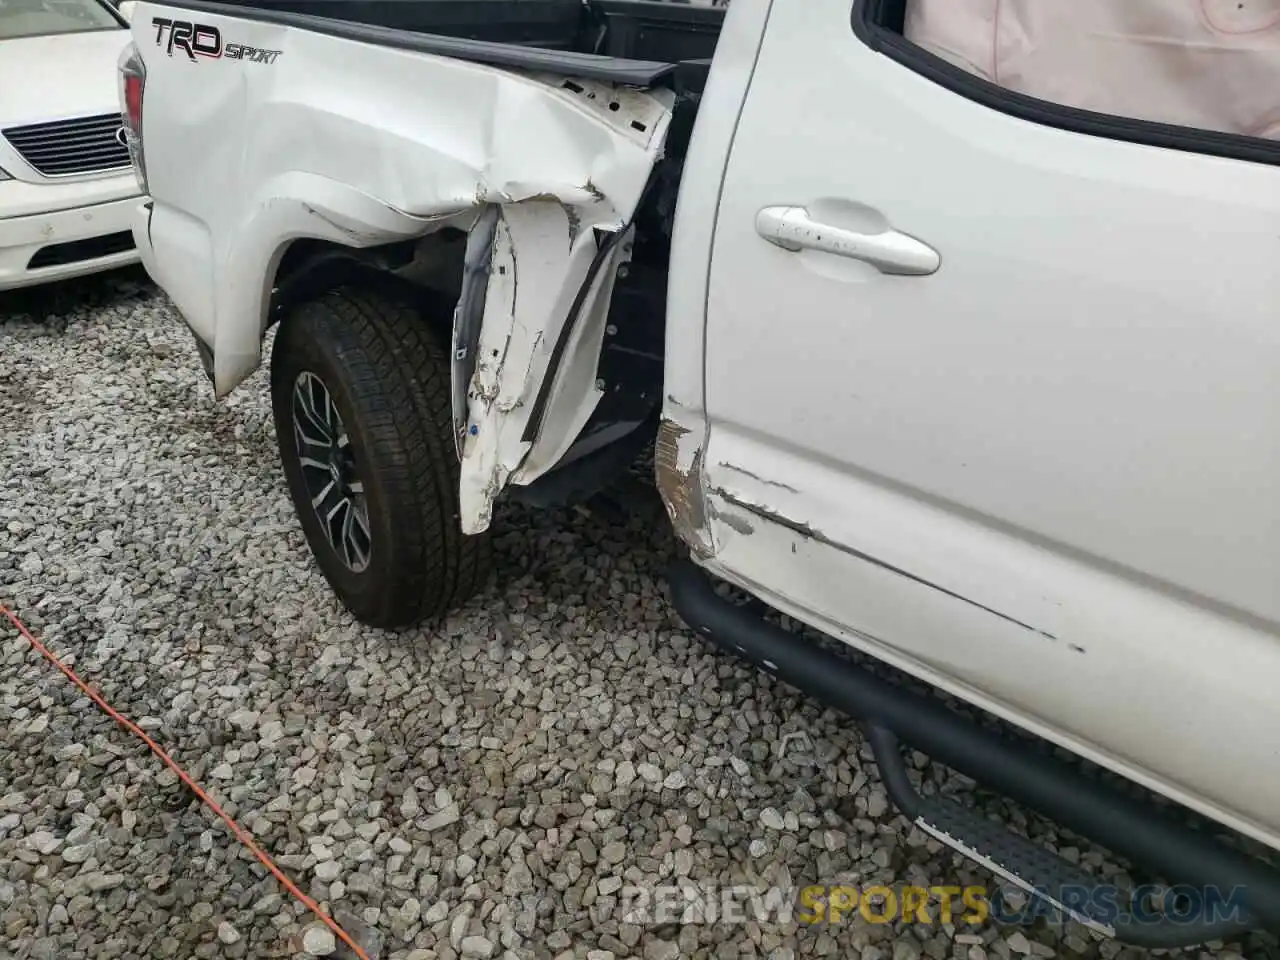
x: 1134, y: 829
x: 1037, y: 871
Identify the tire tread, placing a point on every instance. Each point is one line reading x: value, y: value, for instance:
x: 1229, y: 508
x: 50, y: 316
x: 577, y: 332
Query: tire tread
x: 398, y: 375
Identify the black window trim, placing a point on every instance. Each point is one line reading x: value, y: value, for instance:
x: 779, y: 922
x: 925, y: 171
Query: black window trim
x: 113, y: 7
x: 869, y: 17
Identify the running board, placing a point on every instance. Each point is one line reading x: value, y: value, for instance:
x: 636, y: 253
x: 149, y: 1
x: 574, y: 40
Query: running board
x: 1135, y: 829
x: 1037, y: 871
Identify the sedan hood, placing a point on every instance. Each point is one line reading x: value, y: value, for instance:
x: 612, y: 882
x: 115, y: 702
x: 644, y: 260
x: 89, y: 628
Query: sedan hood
x: 59, y: 77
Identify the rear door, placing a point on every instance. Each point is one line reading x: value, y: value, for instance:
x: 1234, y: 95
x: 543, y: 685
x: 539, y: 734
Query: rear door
x: 993, y: 389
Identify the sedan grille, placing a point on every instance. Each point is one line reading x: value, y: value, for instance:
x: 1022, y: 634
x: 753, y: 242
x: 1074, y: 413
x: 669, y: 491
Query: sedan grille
x: 68, y: 147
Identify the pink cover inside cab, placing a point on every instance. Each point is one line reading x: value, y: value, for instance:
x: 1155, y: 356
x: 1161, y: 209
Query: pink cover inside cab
x: 1211, y: 64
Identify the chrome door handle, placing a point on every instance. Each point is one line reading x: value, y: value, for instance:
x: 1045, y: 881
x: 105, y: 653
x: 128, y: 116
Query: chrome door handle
x: 890, y: 251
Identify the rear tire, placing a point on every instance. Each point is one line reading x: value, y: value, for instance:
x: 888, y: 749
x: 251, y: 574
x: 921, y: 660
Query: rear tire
x: 361, y: 399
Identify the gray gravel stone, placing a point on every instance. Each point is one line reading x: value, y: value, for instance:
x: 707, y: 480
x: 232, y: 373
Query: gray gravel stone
x: 661, y: 950
x: 441, y: 818
x: 42, y: 841
x: 328, y: 870
x: 771, y: 819
x: 877, y: 804
x: 477, y: 946
x: 318, y: 940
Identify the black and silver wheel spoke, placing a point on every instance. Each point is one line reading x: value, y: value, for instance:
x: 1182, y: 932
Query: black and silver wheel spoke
x: 355, y: 535
x: 313, y: 409
x: 329, y: 472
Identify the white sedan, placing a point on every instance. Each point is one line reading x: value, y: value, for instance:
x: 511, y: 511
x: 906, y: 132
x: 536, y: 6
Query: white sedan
x: 66, y: 185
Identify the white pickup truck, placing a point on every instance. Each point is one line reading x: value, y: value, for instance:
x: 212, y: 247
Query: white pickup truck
x: 953, y: 347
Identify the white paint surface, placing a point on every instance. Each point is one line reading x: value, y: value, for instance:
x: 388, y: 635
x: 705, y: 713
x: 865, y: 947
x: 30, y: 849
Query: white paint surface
x: 1043, y: 477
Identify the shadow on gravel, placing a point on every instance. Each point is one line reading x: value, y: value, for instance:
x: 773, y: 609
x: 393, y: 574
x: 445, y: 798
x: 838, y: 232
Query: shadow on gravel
x: 17, y: 406
x: 51, y: 304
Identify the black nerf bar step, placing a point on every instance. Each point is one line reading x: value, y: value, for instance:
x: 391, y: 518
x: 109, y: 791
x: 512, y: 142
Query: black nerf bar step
x: 1136, y: 830
x: 1037, y: 871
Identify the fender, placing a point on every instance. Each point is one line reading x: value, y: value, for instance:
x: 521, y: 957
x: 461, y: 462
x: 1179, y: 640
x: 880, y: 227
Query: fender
x: 292, y: 206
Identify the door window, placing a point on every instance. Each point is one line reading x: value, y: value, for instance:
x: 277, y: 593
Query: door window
x: 1200, y: 75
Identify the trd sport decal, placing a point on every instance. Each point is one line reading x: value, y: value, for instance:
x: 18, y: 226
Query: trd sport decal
x: 202, y: 40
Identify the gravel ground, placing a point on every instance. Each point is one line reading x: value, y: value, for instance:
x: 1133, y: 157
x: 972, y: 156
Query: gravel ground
x: 489, y: 788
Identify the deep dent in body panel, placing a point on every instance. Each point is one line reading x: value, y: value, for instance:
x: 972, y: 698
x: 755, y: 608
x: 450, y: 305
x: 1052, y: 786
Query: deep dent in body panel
x: 536, y: 267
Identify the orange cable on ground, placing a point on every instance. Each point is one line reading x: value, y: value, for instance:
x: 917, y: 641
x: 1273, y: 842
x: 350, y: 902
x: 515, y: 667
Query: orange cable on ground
x: 243, y: 835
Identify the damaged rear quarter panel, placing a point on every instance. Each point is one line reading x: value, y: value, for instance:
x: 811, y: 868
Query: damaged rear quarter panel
x: 541, y: 263
x: 360, y: 145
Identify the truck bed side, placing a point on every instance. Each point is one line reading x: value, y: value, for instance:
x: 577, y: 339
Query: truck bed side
x: 260, y: 134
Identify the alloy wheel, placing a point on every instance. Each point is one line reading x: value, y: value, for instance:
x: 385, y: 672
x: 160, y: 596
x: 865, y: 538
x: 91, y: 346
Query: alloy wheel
x: 329, y: 471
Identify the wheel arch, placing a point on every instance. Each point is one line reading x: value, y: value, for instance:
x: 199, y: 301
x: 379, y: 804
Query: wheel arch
x: 425, y: 270
x: 313, y: 232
